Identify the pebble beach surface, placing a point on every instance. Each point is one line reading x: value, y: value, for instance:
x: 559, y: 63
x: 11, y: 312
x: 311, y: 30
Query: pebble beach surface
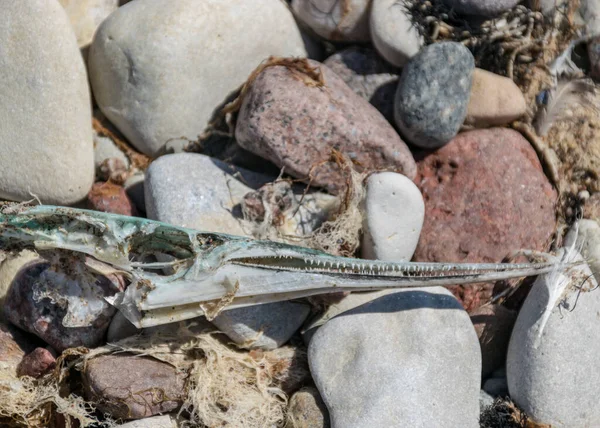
x: 372, y: 129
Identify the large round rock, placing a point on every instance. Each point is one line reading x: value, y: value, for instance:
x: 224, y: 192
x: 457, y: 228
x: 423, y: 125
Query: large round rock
x: 485, y: 196
x: 46, y: 147
x: 159, y: 69
x: 433, y: 94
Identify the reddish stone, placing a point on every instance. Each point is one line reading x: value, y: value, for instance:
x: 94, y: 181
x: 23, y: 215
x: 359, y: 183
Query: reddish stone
x: 295, y: 123
x: 14, y: 345
x: 36, y: 363
x: 486, y: 196
x: 110, y: 198
x: 493, y: 324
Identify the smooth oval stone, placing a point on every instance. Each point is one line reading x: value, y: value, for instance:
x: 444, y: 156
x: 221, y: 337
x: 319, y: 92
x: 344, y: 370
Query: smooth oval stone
x: 46, y: 148
x: 87, y: 15
x: 433, y: 94
x: 394, y: 36
x: 159, y: 69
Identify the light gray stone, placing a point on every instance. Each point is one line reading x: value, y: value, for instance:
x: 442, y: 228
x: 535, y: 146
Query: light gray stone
x: 46, y: 148
x: 159, y: 68
x: 164, y: 421
x: 407, y: 359
x: 267, y: 326
x: 196, y: 191
x: 105, y: 148
x: 393, y: 33
x: 346, y: 20
x: 87, y: 15
x: 394, y: 214
x: 552, y: 365
x: 588, y: 240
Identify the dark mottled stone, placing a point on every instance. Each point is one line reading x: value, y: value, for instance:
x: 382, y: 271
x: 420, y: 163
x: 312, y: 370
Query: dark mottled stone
x: 368, y: 76
x: 487, y: 8
x: 433, y: 94
x: 37, y: 363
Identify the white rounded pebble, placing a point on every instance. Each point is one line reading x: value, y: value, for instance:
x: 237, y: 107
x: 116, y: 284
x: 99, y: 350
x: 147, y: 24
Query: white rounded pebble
x: 394, y: 36
x: 46, y: 148
x: 159, y: 69
x: 394, y: 214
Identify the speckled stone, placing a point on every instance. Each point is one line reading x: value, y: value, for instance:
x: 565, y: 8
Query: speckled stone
x: 368, y: 76
x: 37, y: 363
x: 296, y: 125
x: 433, y: 94
x: 307, y: 410
x: 487, y: 8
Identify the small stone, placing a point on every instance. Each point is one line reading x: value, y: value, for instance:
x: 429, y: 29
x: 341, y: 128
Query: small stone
x: 307, y: 410
x: 195, y: 191
x: 14, y: 345
x: 410, y: 358
x: 164, y: 421
x: 433, y: 94
x: 105, y: 148
x: 87, y: 15
x: 110, y: 198
x: 552, y: 367
x: 289, y: 367
x: 496, y: 386
x: 9, y: 269
x: 37, y: 363
x: 295, y: 125
x: 266, y: 326
x: 493, y: 325
x: 487, y: 8
x: 120, y: 328
x: 394, y: 211
x: 394, y: 35
x: 159, y: 70
x: 46, y: 148
x: 64, y: 310
x: 134, y: 186
x: 368, y: 76
x: 131, y: 387
x: 588, y: 241
x: 485, y: 196
x: 335, y: 20
x: 495, y: 100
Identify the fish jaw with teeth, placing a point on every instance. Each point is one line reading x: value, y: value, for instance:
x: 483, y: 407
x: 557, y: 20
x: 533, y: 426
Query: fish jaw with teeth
x: 203, y: 273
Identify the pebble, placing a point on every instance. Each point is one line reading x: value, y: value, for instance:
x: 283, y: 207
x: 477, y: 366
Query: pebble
x: 63, y: 311
x: 335, y: 20
x: 393, y: 33
x: 410, y: 358
x: 552, y: 367
x: 496, y: 386
x: 295, y: 125
x: 199, y: 192
x: 289, y: 367
x: 267, y: 326
x: 160, y: 69
x: 368, y: 76
x: 134, y: 186
x: 485, y: 196
x: 104, y: 149
x: 14, y: 345
x: 307, y: 410
x: 493, y: 325
x: 433, y: 94
x: 9, y: 269
x: 110, y: 198
x: 495, y: 100
x: 37, y: 363
x: 131, y: 387
x: 164, y: 421
x: 46, y: 148
x: 87, y: 15
x: 393, y: 217
x: 486, y: 8
x: 588, y: 241
x: 120, y: 328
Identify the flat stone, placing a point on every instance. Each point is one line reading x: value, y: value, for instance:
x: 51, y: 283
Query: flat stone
x: 368, y: 76
x: 493, y: 325
x: 131, y: 387
x: 487, y: 8
x: 485, y: 196
x: 307, y: 410
x: 160, y: 69
x: 433, y: 94
x: 164, y: 421
x: 87, y: 15
x: 46, y: 148
x: 495, y: 100
x: 410, y: 358
x: 295, y: 125
x: 393, y: 33
x: 267, y: 326
x: 346, y: 21
x: 195, y: 191
x: 393, y: 218
x: 552, y: 367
